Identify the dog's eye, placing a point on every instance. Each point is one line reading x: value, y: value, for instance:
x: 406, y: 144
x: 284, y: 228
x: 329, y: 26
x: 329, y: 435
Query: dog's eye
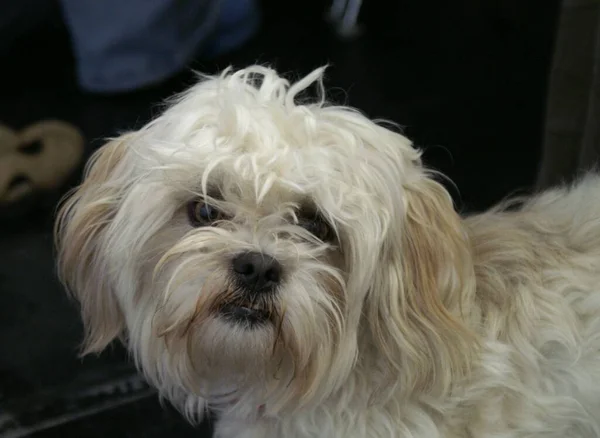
x: 319, y: 228
x: 202, y: 214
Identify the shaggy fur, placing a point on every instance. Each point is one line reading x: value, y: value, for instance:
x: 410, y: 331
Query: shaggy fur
x: 394, y: 317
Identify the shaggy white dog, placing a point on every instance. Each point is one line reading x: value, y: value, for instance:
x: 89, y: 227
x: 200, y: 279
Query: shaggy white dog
x: 296, y: 269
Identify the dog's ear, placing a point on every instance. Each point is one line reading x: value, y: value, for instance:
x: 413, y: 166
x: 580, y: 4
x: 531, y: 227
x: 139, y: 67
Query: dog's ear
x: 80, y: 231
x: 417, y: 308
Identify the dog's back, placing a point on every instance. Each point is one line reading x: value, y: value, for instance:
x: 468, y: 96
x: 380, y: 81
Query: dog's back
x: 538, y: 276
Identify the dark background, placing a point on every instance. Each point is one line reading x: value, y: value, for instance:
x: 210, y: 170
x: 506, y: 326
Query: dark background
x: 467, y: 80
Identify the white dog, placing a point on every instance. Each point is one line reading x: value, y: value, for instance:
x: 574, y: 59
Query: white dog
x: 296, y: 269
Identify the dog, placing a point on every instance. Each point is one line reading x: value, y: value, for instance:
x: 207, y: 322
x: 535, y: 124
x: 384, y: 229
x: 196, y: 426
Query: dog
x: 293, y: 267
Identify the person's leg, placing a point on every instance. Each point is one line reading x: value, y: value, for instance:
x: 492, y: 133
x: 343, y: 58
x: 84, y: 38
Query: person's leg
x: 569, y: 132
x: 590, y: 152
x: 126, y: 45
x: 238, y: 21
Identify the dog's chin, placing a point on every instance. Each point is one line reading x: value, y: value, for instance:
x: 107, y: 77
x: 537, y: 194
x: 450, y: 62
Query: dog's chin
x: 234, y: 342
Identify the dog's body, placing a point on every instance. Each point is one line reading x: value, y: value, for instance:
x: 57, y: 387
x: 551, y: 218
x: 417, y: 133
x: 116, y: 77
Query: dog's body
x: 296, y: 269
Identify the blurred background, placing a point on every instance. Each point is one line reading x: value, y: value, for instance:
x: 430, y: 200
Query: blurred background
x: 501, y: 94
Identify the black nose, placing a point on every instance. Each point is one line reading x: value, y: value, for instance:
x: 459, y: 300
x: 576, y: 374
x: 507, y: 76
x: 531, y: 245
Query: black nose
x: 256, y: 270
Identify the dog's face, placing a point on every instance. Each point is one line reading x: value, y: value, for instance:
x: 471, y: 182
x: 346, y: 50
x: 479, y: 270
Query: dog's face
x: 243, y: 239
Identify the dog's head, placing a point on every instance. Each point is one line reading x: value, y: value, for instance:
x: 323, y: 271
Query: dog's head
x: 244, y: 238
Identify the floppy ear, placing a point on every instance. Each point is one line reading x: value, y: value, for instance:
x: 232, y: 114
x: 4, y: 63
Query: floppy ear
x: 419, y: 302
x: 80, y: 235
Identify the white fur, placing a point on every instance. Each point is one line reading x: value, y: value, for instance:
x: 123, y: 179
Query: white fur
x: 412, y: 323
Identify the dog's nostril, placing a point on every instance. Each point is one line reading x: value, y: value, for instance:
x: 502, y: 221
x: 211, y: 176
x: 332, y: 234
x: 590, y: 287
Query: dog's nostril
x: 243, y: 268
x: 257, y: 270
x: 273, y: 274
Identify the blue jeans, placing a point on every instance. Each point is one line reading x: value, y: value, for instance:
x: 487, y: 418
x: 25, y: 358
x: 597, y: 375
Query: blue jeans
x: 122, y: 45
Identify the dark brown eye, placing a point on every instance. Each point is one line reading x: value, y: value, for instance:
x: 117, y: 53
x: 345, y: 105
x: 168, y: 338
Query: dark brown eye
x: 202, y: 214
x: 319, y: 228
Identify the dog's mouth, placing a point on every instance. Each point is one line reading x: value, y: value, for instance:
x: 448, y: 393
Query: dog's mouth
x: 244, y: 314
